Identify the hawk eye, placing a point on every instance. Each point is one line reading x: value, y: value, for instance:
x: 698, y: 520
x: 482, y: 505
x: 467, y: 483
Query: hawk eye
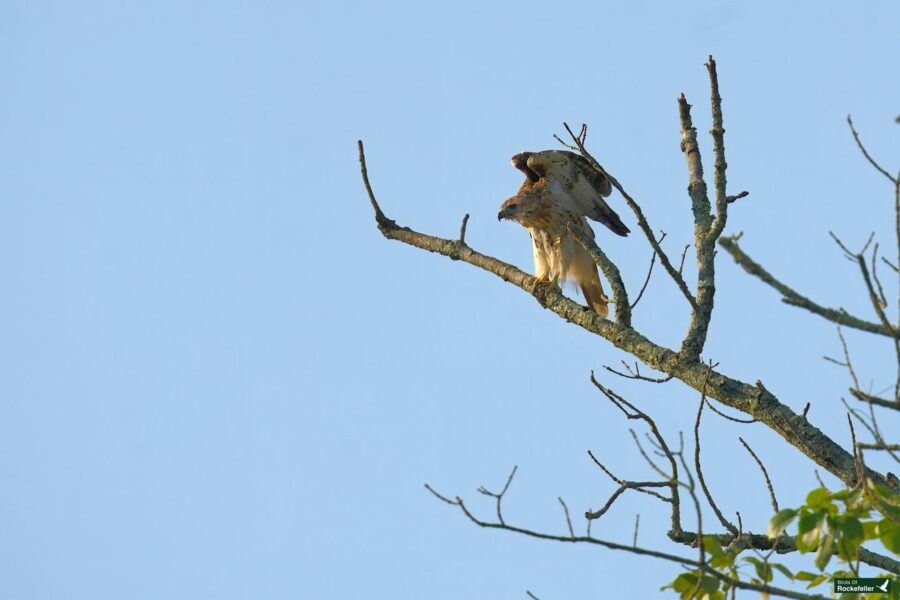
x: 511, y: 206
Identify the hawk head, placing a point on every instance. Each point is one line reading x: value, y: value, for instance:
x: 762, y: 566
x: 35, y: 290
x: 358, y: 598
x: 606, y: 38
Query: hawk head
x: 527, y: 208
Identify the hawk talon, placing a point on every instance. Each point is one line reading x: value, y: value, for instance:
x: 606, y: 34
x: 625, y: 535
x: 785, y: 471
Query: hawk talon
x: 542, y: 285
x: 546, y: 282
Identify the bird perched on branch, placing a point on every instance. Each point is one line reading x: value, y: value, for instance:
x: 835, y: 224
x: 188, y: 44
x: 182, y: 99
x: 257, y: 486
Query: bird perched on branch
x: 563, y: 190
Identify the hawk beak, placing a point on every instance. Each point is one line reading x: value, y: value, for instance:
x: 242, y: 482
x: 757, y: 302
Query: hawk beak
x: 501, y: 215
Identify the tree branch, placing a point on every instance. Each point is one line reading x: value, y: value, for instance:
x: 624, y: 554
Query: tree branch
x: 789, y: 296
x: 627, y: 548
x: 756, y: 401
x: 718, y: 135
x: 611, y: 271
x: 783, y: 545
x: 695, y: 339
x: 642, y: 220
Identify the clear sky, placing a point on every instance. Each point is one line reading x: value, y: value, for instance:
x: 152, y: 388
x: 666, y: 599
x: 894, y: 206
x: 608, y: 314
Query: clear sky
x: 217, y: 380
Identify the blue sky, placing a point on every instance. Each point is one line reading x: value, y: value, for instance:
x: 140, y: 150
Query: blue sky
x: 219, y: 381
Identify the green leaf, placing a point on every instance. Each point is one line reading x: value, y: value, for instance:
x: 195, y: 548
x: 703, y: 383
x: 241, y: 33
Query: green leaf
x: 685, y: 582
x: 851, y: 529
x: 721, y: 561
x: 709, y: 584
x: 892, y: 512
x: 810, y: 520
x: 843, y: 494
x: 826, y: 549
x: 712, y: 546
x: 780, y: 522
x: 842, y: 574
x: 817, y: 581
x: 805, y: 576
x: 886, y: 494
x: 889, y: 534
x: 763, y: 569
x: 870, y: 530
x: 818, y: 498
x: 784, y: 570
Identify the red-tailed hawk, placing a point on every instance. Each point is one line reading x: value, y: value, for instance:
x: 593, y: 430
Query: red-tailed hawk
x: 562, y: 189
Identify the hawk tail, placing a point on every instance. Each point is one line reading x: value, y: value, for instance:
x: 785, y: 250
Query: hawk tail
x: 594, y: 296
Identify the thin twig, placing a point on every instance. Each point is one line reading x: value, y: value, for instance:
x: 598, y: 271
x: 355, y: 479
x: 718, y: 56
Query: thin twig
x: 649, y: 273
x: 864, y: 397
x: 725, y: 522
x: 762, y: 468
x: 887, y: 447
x: 382, y: 221
x: 743, y: 194
x: 636, y: 374
x: 499, y: 496
x: 637, y: 522
x: 865, y: 152
x: 633, y: 485
x: 683, y: 256
x: 568, y: 520
x: 730, y: 418
x: 462, y: 230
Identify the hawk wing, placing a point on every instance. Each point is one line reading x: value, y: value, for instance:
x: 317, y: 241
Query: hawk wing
x: 577, y: 186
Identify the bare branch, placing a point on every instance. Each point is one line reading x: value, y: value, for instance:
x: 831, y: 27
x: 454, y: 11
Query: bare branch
x: 642, y: 220
x: 699, y: 564
x: 857, y: 455
x: 704, y: 242
x: 629, y: 485
x: 743, y: 194
x: 762, y: 468
x: 568, y: 520
x: 683, y: 256
x: 865, y: 152
x: 847, y: 362
x: 499, y: 496
x: 439, y: 496
x: 382, y: 221
x: 886, y: 447
x: 864, y: 397
x: 789, y: 296
x: 755, y: 401
x: 723, y: 415
x: 636, y: 374
x: 649, y: 273
x: 881, y: 296
x: 783, y: 545
x: 611, y: 271
x: 462, y: 229
x: 637, y: 522
x: 718, y: 135
x: 725, y: 522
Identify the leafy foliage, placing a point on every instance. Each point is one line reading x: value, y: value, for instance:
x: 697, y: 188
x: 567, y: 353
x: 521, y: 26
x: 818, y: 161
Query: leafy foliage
x: 829, y: 525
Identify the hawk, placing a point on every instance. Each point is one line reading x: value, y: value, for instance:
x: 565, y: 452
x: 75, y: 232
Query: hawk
x: 562, y: 189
